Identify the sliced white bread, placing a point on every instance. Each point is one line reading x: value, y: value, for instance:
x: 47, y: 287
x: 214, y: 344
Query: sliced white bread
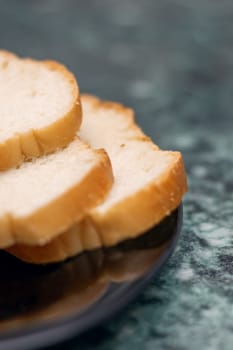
x: 39, y: 108
x: 149, y: 184
x: 45, y: 197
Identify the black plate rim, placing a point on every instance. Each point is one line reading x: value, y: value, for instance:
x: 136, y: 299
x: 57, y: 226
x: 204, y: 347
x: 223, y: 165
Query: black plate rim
x: 56, y: 331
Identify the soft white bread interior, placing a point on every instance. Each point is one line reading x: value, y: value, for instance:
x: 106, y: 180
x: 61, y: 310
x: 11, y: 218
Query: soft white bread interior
x: 148, y: 185
x: 45, y: 197
x: 39, y: 108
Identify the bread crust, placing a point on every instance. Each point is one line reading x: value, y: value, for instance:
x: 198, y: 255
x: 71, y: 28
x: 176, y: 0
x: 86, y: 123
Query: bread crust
x: 41, y: 141
x: 147, y: 207
x: 49, y: 221
x: 128, y: 113
x: 129, y: 218
x: 78, y: 238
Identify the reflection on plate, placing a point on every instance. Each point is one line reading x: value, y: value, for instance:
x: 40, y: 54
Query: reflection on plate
x: 42, y: 305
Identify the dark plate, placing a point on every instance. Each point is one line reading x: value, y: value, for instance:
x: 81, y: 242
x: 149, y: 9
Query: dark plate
x: 43, y: 305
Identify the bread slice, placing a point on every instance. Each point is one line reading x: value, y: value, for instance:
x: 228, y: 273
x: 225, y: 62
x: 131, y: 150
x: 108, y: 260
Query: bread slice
x: 149, y: 184
x: 39, y: 108
x: 45, y: 197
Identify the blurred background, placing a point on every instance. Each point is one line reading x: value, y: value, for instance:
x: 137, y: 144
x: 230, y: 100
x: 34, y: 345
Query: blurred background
x: 172, y: 61
x: 157, y: 54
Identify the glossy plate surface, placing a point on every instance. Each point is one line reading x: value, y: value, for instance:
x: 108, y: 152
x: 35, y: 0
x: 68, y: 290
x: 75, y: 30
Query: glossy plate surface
x: 42, y: 305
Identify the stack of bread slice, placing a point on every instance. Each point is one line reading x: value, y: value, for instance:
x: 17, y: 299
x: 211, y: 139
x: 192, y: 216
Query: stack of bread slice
x: 72, y: 178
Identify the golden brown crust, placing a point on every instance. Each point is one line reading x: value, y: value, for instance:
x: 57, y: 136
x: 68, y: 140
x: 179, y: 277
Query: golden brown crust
x: 8, y: 55
x: 127, y: 219
x: 59, y: 215
x: 97, y: 103
x: 136, y: 214
x: 37, y: 142
x: 128, y: 113
x: 146, y: 208
x: 79, y: 238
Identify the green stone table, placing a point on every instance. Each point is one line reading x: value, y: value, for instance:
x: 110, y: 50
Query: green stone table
x: 172, y: 61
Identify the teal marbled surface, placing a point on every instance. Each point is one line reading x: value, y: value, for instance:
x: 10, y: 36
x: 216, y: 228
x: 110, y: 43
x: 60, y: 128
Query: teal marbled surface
x: 172, y: 61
